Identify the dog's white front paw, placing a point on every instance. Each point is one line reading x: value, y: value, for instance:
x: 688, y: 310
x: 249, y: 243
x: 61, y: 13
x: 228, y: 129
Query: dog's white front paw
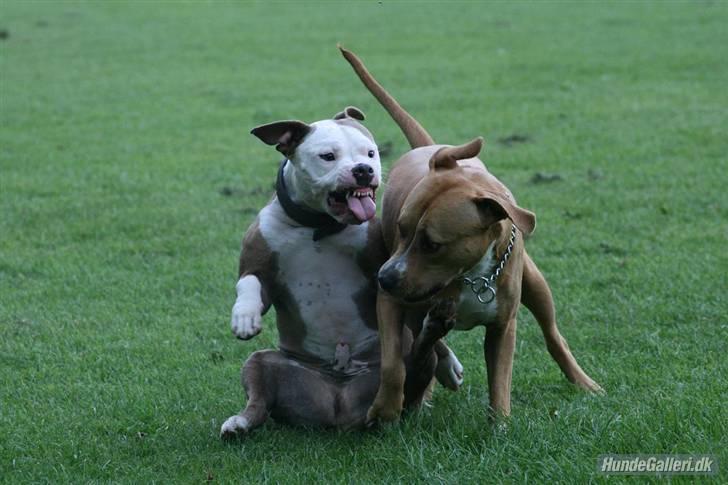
x: 234, y: 426
x: 449, y: 372
x: 246, y: 321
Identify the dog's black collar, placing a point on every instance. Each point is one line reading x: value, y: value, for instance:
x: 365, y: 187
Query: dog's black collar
x: 323, y: 224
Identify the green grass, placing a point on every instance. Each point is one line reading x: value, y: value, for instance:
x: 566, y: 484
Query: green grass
x: 122, y: 124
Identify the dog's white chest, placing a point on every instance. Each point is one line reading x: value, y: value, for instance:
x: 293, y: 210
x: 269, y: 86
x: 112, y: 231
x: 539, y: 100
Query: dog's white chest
x: 471, y: 312
x: 324, y: 280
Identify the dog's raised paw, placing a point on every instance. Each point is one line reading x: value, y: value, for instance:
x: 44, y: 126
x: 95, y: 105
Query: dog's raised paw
x: 444, y: 310
x: 245, y: 323
x: 234, y: 427
x: 441, y: 318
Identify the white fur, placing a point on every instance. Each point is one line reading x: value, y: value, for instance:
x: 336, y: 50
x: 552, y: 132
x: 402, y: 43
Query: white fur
x: 323, y: 277
x: 234, y: 425
x: 449, y: 372
x: 470, y: 311
x: 246, y: 319
x: 310, y: 179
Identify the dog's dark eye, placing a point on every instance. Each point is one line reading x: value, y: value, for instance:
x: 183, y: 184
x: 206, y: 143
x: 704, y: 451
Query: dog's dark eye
x: 371, y: 153
x: 428, y: 245
x: 329, y: 157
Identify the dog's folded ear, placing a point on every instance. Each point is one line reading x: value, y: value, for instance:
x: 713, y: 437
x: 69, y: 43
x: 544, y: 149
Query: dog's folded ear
x: 350, y: 112
x: 494, y: 208
x: 285, y: 135
x: 447, y: 157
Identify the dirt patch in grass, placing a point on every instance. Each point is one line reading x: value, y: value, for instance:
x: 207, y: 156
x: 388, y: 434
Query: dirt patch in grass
x: 514, y: 139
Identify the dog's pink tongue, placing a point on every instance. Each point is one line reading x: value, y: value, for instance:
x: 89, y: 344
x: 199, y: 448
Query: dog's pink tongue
x: 362, y: 208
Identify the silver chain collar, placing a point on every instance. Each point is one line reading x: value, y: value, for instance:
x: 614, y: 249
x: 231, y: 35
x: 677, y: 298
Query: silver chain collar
x: 484, y: 286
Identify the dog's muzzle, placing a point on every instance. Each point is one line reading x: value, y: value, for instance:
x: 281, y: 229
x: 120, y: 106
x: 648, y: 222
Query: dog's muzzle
x: 363, y: 174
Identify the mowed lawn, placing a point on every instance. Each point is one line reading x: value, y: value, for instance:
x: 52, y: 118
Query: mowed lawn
x: 127, y: 178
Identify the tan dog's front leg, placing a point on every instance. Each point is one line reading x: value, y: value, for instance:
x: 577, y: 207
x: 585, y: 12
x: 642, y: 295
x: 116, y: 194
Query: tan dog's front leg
x: 500, y: 343
x: 388, y: 403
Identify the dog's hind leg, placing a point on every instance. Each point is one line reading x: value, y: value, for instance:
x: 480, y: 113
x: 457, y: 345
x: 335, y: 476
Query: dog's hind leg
x: 354, y: 398
x: 260, y: 389
x: 286, y: 390
x: 536, y: 296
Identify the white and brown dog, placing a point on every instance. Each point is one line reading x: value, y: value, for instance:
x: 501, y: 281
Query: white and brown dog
x: 313, y: 253
x: 454, y: 231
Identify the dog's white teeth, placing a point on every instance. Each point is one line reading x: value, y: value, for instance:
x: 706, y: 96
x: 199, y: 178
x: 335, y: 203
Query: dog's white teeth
x: 360, y: 193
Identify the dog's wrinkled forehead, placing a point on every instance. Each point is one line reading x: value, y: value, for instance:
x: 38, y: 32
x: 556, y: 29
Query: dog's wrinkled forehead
x: 424, y: 194
x: 455, y: 216
x: 442, y: 205
x: 352, y: 123
x: 337, y: 134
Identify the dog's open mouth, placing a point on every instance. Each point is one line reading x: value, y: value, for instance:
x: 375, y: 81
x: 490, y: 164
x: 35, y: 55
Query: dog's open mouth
x: 358, y: 201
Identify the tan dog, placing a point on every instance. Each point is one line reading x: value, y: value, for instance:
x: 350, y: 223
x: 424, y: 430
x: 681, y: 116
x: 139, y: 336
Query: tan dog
x: 454, y: 231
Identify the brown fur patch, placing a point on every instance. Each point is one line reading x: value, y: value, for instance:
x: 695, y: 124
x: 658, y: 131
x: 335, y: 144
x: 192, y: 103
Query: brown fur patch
x: 257, y: 259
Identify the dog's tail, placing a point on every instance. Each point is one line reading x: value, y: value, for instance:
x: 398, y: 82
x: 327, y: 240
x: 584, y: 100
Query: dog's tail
x: 416, y: 135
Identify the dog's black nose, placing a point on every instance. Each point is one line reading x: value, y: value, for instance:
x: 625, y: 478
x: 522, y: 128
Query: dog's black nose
x: 388, y: 279
x: 363, y: 174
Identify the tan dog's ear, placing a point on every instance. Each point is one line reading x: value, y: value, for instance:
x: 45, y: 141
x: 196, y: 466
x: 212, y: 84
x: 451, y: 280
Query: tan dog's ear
x: 494, y: 208
x: 350, y: 112
x: 285, y: 135
x: 447, y: 157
